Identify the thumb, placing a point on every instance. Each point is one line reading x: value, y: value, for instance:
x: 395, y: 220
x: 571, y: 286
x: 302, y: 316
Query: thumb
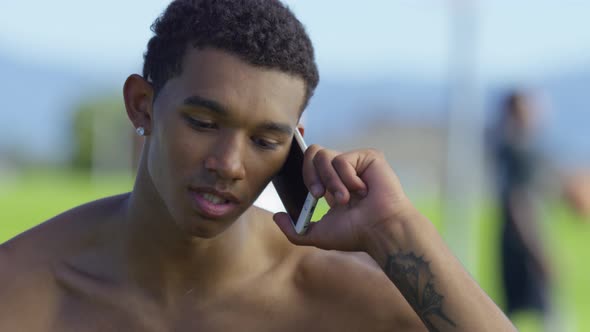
x: 286, y: 225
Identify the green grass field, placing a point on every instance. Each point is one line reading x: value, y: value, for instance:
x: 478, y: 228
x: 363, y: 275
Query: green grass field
x: 30, y: 199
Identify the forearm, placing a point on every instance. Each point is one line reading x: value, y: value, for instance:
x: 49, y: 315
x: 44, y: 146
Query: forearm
x: 432, y: 280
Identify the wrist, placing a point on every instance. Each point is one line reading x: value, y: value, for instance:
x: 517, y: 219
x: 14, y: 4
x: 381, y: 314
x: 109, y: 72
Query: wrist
x: 394, y: 234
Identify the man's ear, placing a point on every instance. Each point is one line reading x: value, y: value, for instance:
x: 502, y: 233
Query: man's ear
x: 138, y: 95
x: 301, y: 129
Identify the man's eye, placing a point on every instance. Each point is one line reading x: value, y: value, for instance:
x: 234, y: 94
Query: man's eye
x: 265, y: 143
x: 200, y: 124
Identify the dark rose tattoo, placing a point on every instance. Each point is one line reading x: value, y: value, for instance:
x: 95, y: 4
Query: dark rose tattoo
x: 413, y: 277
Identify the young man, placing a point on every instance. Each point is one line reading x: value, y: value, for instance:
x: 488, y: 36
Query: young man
x: 224, y: 85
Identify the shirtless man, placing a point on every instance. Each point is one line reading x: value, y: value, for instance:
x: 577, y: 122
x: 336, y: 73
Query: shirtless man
x: 223, y: 89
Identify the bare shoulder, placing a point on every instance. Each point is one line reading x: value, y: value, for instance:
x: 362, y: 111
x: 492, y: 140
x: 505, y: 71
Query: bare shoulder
x: 341, y: 284
x: 64, y: 231
x: 352, y: 282
x: 27, y: 280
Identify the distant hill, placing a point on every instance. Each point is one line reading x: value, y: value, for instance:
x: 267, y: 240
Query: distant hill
x: 339, y: 109
x: 35, y: 106
x: 37, y: 100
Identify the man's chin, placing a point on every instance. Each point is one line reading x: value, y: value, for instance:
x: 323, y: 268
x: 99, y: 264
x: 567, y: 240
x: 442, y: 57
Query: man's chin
x: 205, y: 228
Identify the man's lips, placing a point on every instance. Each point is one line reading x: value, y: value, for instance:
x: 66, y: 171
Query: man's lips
x: 226, y: 195
x: 212, y: 203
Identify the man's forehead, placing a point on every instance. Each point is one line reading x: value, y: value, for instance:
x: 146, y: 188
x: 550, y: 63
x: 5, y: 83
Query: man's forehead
x: 234, y: 83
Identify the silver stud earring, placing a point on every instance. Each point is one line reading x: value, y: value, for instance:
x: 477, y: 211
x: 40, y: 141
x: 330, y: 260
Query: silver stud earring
x: 140, y: 131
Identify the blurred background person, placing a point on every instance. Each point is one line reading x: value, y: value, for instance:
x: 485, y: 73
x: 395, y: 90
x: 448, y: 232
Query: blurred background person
x: 524, y: 263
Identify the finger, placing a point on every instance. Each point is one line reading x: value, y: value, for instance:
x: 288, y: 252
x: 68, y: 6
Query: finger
x: 286, y: 225
x: 329, y: 177
x: 310, y: 176
x: 330, y: 199
x: 345, y: 166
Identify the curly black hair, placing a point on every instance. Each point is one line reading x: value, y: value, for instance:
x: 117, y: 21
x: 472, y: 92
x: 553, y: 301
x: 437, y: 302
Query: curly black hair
x: 262, y: 32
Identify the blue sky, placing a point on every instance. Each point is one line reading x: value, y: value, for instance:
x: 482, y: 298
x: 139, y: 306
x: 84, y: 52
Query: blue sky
x: 512, y: 40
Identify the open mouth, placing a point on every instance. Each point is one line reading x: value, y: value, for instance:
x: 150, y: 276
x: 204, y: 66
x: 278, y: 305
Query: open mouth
x: 214, y: 198
x: 212, y: 206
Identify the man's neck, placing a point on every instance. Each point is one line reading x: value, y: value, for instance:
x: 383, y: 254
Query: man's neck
x: 168, y: 263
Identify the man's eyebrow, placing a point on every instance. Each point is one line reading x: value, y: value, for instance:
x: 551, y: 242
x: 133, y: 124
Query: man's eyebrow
x: 198, y: 101
x: 281, y: 128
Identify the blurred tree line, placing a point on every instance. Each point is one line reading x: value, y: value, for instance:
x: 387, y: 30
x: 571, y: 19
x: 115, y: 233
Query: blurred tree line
x: 102, y: 136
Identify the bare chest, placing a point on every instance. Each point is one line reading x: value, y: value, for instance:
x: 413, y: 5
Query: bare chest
x: 261, y: 307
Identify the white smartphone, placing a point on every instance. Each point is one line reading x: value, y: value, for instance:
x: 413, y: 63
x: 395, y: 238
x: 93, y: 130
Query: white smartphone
x: 288, y: 182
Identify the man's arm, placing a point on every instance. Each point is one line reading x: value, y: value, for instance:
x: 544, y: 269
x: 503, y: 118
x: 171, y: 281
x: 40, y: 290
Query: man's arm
x: 370, y: 212
x: 432, y: 280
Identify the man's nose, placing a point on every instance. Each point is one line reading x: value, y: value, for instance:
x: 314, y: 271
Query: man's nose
x: 226, y: 158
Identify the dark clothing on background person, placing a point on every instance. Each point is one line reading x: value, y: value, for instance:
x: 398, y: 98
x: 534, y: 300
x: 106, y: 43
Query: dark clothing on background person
x: 524, y: 284
x: 524, y: 287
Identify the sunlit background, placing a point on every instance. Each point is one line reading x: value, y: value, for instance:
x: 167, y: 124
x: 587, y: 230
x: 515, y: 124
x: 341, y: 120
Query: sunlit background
x: 423, y: 80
